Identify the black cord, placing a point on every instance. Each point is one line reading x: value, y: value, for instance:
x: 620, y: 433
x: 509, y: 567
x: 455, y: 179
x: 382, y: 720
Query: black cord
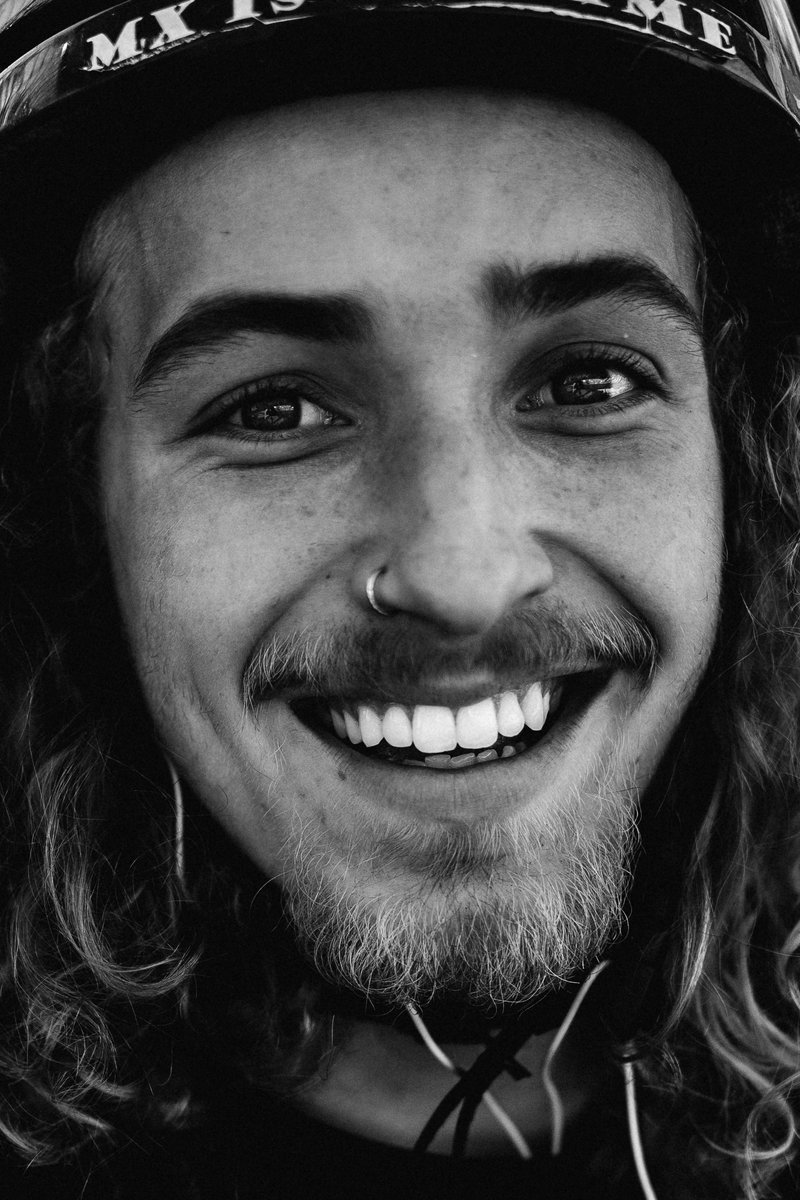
x: 464, y: 1121
x: 498, y: 1056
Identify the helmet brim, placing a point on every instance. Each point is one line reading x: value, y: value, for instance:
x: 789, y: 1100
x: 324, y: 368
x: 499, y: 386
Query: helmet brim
x: 731, y: 145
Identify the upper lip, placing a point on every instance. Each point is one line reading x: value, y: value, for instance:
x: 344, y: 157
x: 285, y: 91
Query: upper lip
x: 449, y: 693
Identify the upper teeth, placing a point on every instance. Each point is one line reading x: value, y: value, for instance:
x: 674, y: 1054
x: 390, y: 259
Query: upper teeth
x: 434, y: 729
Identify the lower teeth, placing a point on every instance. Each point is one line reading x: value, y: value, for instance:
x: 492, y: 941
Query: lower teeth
x: 453, y: 762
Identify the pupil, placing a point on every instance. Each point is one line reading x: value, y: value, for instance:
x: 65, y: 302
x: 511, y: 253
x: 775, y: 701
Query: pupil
x: 576, y: 389
x: 271, y: 415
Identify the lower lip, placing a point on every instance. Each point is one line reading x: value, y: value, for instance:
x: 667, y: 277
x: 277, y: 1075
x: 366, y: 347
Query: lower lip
x: 497, y: 788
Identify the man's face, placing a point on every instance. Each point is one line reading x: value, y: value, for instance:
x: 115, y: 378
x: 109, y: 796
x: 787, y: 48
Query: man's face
x: 450, y: 336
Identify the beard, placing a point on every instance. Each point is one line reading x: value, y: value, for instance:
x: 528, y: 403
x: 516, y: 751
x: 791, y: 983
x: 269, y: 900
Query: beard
x: 486, y: 914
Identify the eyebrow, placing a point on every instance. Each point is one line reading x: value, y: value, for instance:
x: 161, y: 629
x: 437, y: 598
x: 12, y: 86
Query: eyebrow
x: 513, y: 293
x: 510, y: 293
x: 212, y: 322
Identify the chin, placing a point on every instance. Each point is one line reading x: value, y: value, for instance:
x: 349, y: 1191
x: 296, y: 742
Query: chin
x: 496, y: 912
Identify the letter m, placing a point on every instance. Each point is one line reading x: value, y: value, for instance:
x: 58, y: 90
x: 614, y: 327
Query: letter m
x: 668, y: 11
x: 104, y: 52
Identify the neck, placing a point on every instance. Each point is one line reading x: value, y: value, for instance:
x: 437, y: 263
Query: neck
x: 384, y: 1084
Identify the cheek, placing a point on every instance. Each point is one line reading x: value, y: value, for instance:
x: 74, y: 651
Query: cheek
x: 670, y: 550
x: 206, y: 564
x: 195, y: 598
x: 673, y: 573
x: 182, y: 586
x: 690, y: 555
x: 663, y: 540
x: 195, y: 587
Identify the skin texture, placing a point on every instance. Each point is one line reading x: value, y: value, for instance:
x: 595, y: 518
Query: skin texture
x: 481, y: 503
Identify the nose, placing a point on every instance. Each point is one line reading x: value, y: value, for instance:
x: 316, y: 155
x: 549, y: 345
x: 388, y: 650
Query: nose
x: 461, y: 550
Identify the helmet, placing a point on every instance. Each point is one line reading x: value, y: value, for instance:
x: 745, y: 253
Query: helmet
x: 90, y: 94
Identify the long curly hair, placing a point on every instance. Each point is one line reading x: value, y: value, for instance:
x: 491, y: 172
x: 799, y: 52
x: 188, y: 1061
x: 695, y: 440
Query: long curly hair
x: 102, y: 943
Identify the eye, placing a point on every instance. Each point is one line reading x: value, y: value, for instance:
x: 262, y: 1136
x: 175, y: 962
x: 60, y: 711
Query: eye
x: 604, y: 381
x: 271, y: 410
x: 277, y: 416
x: 278, y: 406
x: 590, y: 386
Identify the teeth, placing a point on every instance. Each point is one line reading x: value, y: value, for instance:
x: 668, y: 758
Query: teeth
x: 449, y: 762
x: 435, y: 731
x: 397, y: 726
x: 339, y: 723
x: 371, y: 725
x: 439, y: 762
x: 476, y: 725
x: 510, y: 717
x: 533, y: 708
x: 433, y: 728
x: 353, y: 728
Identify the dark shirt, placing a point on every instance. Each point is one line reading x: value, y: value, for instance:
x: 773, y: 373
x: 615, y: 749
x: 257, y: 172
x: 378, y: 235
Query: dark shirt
x: 257, y: 1149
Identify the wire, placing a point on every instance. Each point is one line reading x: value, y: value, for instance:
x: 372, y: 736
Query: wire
x: 498, y: 1112
x: 179, y: 852
x: 507, y: 1125
x: 553, y: 1095
x: 634, y: 1133
x: 433, y: 1047
x: 177, y: 795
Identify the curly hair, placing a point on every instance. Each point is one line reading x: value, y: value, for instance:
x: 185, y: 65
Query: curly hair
x: 102, y: 942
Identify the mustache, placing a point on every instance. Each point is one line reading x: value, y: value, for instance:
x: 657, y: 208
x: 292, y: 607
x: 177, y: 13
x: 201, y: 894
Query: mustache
x: 375, y: 661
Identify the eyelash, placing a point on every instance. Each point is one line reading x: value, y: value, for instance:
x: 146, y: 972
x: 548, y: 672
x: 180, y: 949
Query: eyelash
x: 270, y: 391
x: 595, y: 359
x: 567, y: 360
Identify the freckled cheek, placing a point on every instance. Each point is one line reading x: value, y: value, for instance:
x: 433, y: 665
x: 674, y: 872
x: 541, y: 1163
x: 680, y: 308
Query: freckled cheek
x: 201, y: 576
x: 656, y: 534
x: 191, y: 594
x: 680, y: 547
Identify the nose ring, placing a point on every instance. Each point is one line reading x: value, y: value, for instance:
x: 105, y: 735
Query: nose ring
x: 373, y: 579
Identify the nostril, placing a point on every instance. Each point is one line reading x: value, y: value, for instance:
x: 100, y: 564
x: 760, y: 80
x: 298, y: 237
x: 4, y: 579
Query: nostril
x: 460, y: 594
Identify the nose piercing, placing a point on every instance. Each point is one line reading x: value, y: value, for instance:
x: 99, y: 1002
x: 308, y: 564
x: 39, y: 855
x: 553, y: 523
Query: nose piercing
x: 373, y: 579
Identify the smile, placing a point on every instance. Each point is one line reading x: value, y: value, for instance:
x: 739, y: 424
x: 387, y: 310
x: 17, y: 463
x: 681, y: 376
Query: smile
x: 498, y: 727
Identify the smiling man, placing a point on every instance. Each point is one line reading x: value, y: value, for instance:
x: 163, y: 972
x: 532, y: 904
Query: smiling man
x: 526, y: 455
x: 401, y: 689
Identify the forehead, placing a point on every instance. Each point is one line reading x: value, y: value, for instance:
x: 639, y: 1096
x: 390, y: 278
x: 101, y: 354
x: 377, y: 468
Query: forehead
x: 406, y: 196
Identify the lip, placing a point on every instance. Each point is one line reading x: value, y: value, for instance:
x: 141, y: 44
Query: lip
x: 497, y: 789
x: 455, y: 692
